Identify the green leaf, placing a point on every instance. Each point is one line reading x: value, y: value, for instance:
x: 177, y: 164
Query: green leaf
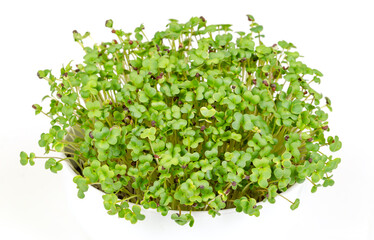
x: 248, y: 206
x: 236, y: 136
x: 143, y: 97
x: 102, y: 144
x: 257, y: 29
x: 247, y: 123
x: 262, y: 182
x: 208, y: 113
x: 136, y: 79
x: 183, y: 219
x: 91, y: 69
x: 109, y: 23
x: 244, y: 160
x: 158, y: 145
x: 149, y: 133
x: 287, y: 163
x: 31, y: 159
x: 49, y: 163
x: 136, y: 209
x: 90, y: 174
x: 272, y: 191
x: 238, y: 120
x: 53, y: 165
x: 137, y: 110
x: 179, y: 124
x: 150, y: 91
x: 119, y: 116
x: 328, y: 182
x: 335, y: 145
x: 284, y: 44
x: 158, y: 105
x: 57, y: 167
x: 254, y: 99
x: 93, y: 109
x: 138, y: 36
x: 24, y: 158
x: 315, y: 177
x: 296, y: 107
x: 263, y: 49
x: 295, y: 204
x: 176, y: 112
x: 246, y: 43
x: 59, y: 147
x: 189, y: 97
x: 38, y: 108
x: 168, y: 160
x: 109, y: 199
x: 163, y: 62
x: 286, y: 156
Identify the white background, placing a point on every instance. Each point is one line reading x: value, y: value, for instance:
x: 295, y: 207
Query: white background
x: 335, y: 37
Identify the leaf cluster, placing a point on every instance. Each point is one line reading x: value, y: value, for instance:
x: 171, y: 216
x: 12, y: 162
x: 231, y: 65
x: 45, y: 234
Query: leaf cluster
x: 192, y: 119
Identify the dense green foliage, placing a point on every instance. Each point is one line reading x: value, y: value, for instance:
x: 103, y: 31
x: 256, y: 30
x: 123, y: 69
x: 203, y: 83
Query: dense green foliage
x: 192, y: 119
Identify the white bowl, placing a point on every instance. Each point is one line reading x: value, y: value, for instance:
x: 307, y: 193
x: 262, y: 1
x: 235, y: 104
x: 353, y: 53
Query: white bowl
x: 95, y: 221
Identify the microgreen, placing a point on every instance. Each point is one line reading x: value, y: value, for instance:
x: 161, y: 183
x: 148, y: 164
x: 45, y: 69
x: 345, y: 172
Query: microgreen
x: 196, y: 118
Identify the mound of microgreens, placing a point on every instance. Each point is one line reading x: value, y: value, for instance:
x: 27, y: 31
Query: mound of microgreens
x: 189, y: 120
